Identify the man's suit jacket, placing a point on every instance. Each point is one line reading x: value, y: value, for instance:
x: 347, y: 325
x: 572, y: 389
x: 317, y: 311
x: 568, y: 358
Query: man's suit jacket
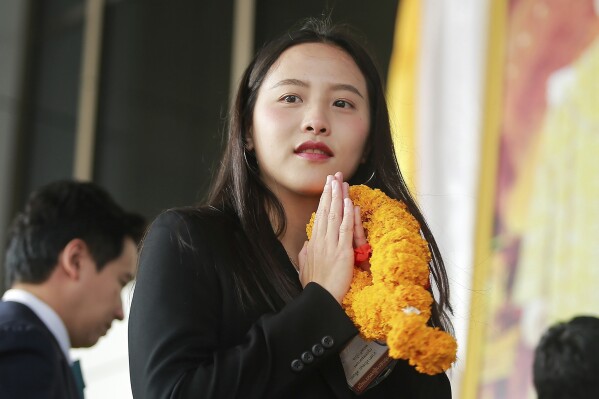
x: 32, y: 365
x: 189, y: 337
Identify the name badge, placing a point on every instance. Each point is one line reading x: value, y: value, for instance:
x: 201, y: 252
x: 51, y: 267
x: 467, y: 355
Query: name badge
x: 366, y: 363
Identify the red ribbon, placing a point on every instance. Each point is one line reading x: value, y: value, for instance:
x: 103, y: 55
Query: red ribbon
x: 362, y: 253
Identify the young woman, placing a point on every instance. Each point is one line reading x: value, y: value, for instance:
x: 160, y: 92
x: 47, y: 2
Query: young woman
x: 230, y: 300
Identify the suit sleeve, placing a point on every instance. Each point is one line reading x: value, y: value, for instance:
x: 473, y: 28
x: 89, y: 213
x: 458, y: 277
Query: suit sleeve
x: 28, y: 366
x: 176, y: 318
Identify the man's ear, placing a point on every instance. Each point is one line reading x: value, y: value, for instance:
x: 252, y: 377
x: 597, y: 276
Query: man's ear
x: 72, y: 257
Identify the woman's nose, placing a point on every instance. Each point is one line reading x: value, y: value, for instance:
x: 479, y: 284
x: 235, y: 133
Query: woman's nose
x: 316, y: 122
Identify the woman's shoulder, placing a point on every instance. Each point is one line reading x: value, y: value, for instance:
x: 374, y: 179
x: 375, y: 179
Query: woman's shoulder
x: 187, y: 223
x: 204, y: 214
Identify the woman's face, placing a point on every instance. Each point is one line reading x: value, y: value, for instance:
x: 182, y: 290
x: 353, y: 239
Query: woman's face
x: 311, y: 119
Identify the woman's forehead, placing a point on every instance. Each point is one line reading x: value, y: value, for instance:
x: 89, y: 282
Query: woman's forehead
x: 316, y: 62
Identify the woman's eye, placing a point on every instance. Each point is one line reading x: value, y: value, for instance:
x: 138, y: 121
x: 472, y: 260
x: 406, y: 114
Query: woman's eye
x: 342, y: 104
x: 291, y: 99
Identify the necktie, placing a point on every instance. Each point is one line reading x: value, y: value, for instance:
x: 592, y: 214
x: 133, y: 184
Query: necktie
x: 76, y: 369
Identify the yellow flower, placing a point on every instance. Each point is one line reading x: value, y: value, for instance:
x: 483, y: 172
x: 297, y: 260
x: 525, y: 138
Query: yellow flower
x: 392, y: 302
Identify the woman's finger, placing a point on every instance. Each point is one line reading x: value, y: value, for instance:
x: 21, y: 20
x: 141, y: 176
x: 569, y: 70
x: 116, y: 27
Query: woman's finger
x: 345, y: 190
x: 346, y: 230
x: 322, y: 213
x: 335, y: 213
x: 359, y: 234
x: 344, y: 185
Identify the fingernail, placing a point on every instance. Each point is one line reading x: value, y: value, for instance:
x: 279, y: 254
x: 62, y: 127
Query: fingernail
x: 329, y: 179
x: 347, y: 202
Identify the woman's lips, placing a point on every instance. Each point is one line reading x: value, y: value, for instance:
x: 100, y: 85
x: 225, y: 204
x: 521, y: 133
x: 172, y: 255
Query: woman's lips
x: 314, y: 150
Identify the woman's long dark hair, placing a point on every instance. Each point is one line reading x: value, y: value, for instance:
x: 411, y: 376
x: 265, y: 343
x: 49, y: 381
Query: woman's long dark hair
x: 238, y: 186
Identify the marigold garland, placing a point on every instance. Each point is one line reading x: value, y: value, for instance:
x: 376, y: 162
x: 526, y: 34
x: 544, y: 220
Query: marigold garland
x: 392, y: 302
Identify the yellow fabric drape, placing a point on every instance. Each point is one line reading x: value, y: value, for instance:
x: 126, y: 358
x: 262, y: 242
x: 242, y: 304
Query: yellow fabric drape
x: 402, y: 87
x: 487, y: 186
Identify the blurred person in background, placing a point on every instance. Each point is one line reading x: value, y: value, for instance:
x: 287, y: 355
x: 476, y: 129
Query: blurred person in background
x: 69, y: 254
x: 566, y: 362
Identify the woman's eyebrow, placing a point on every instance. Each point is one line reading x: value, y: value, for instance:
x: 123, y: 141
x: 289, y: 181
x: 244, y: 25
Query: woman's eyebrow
x: 301, y: 83
x: 347, y: 87
x: 290, y: 82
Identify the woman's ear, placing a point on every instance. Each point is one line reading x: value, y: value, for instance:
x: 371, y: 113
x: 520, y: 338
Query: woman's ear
x: 365, y: 153
x: 249, y: 140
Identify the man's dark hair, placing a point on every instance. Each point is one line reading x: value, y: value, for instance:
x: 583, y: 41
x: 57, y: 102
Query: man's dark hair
x: 58, y: 213
x: 566, y: 362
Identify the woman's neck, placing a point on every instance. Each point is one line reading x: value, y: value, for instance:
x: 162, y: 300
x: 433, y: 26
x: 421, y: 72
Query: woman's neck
x: 298, y: 210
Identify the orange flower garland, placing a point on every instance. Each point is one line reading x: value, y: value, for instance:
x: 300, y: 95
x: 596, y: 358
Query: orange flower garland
x: 392, y: 302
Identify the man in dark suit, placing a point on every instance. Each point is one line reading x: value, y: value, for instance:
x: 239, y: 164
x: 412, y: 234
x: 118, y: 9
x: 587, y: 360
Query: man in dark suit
x: 69, y: 254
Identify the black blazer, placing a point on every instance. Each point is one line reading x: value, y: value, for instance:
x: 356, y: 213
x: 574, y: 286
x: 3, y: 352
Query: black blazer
x: 32, y: 365
x: 190, y: 338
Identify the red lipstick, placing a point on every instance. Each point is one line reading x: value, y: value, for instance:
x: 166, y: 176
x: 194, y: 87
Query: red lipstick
x: 314, y: 150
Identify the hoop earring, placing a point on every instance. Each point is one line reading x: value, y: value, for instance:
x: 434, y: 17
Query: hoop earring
x: 246, y: 158
x: 249, y: 165
x: 370, y: 178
